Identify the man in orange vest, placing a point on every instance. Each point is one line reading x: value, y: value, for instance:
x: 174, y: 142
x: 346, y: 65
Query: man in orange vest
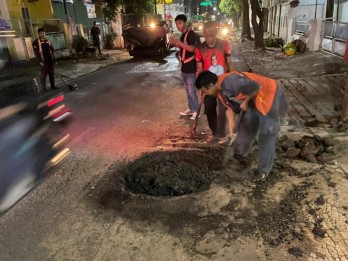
x: 44, y: 52
x: 187, y: 47
x: 263, y: 103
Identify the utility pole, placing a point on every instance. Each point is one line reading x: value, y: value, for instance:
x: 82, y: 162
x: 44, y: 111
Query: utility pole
x: 66, y: 12
x: 68, y: 23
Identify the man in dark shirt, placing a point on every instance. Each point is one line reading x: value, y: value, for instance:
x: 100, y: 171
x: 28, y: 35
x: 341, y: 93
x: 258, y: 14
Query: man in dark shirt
x: 95, y: 32
x: 188, y: 63
x: 263, y: 103
x: 44, y: 52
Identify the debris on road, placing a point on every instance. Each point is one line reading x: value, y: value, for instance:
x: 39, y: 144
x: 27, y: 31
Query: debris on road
x: 313, y: 149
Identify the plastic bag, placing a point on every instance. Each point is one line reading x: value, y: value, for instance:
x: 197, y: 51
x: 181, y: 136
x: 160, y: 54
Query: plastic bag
x: 290, y: 49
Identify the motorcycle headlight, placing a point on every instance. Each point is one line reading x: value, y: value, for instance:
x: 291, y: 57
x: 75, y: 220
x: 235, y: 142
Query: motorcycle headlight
x: 152, y: 25
x: 200, y: 27
x: 224, y: 31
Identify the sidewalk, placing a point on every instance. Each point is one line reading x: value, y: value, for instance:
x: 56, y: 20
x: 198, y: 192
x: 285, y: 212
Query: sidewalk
x: 71, y: 68
x: 314, y: 83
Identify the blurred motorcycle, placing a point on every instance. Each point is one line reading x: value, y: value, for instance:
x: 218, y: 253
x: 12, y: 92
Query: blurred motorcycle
x: 30, y: 141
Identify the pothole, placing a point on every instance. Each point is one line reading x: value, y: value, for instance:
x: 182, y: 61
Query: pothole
x: 173, y: 173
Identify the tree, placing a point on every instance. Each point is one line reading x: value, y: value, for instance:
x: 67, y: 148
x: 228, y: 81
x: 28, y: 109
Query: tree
x: 257, y: 20
x: 232, y: 8
x: 246, y: 33
x: 138, y: 7
x: 129, y: 7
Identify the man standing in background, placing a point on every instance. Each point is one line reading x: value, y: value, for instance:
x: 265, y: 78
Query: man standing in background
x: 188, y: 63
x: 95, y: 33
x: 44, y: 52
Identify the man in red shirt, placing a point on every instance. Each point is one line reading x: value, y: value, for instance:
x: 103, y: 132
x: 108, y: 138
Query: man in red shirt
x: 204, y: 52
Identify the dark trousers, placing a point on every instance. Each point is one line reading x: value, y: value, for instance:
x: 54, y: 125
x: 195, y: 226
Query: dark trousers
x: 47, y: 69
x: 216, y: 115
x: 96, y: 43
x: 267, y: 127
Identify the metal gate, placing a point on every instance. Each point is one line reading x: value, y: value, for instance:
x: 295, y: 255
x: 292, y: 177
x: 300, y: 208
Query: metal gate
x: 334, y: 37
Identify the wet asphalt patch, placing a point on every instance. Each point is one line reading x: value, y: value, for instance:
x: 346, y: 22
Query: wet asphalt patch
x: 173, y: 173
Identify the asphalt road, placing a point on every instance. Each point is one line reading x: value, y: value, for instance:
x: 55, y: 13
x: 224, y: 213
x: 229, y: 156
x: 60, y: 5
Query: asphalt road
x: 119, y: 112
x: 84, y: 211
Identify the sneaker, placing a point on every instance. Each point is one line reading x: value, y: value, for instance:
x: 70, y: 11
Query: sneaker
x: 260, y: 176
x: 194, y: 115
x: 186, y: 113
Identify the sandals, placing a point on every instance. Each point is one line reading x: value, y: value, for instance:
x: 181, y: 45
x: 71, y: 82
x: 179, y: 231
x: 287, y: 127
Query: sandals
x: 224, y: 140
x: 211, y: 138
x: 260, y: 176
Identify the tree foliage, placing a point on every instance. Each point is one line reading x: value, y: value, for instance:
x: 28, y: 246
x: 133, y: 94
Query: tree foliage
x: 231, y: 7
x: 128, y: 7
x: 235, y: 9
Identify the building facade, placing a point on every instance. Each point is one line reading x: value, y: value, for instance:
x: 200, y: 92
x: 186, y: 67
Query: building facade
x: 322, y: 24
x: 61, y: 19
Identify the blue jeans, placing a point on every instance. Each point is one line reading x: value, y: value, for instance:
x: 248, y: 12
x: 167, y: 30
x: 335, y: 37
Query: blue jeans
x: 189, y: 82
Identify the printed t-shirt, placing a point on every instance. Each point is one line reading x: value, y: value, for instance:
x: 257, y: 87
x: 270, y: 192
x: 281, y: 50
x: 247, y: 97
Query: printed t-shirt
x: 222, y: 49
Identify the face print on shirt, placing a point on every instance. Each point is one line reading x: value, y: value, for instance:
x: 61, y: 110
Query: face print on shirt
x: 215, y: 67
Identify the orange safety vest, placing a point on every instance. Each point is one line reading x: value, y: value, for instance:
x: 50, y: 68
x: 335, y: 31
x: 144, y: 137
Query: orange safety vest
x: 265, y: 97
x: 183, y: 60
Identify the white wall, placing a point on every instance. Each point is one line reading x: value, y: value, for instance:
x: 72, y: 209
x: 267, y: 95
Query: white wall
x: 281, y: 24
x: 117, y: 28
x: 343, y: 11
x: 4, y: 14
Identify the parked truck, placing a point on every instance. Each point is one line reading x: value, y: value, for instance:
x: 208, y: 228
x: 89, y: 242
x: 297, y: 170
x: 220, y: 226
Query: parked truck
x: 148, y: 40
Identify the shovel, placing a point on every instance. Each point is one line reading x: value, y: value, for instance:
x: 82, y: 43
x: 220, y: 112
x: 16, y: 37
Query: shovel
x: 229, y: 150
x: 194, y: 128
x: 71, y: 86
x: 236, y: 127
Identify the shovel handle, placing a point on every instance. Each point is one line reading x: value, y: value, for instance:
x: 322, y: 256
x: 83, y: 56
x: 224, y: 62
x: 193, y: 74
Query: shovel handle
x: 198, y: 113
x: 236, y: 126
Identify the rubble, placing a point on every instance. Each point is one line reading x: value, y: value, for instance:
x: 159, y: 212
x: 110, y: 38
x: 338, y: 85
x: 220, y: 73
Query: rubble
x: 313, y: 149
x: 295, y: 251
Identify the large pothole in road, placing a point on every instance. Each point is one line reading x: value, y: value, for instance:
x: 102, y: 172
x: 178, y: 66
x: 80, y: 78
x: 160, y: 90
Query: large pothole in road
x: 173, y: 173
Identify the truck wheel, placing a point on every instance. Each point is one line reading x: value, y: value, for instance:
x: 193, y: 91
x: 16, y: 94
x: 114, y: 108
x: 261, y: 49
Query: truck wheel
x: 163, y: 51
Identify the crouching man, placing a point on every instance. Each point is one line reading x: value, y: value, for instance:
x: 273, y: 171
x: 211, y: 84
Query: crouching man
x: 262, y: 103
